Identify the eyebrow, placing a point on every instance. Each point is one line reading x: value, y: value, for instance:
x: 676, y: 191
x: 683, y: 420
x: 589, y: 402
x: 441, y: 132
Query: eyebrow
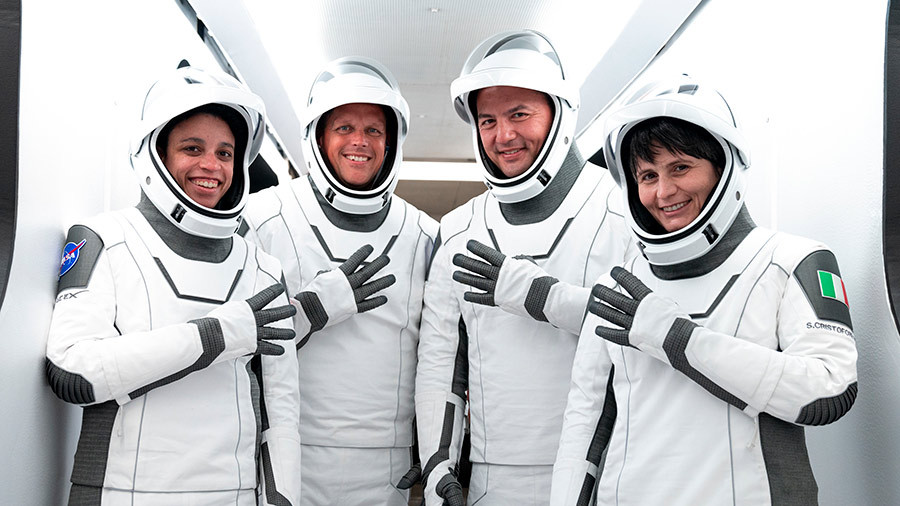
x: 198, y: 140
x: 508, y: 111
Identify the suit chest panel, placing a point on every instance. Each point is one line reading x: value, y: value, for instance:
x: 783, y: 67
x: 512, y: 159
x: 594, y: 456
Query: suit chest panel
x: 156, y: 287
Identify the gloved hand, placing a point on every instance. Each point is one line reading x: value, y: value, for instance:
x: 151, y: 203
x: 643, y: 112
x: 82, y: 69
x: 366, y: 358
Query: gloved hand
x: 646, y: 319
x: 413, y: 476
x: 448, y: 489
x: 335, y: 295
x: 238, y: 328
x: 519, y: 286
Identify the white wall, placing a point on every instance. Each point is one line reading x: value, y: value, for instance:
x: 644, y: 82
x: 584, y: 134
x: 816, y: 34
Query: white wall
x: 82, y: 82
x: 807, y: 79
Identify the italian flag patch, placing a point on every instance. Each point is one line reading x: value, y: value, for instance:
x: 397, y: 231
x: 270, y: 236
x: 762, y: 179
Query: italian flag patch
x: 832, y: 286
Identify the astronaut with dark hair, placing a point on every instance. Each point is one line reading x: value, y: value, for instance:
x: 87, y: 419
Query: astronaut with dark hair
x: 543, y: 201
x: 169, y: 329
x: 357, y: 372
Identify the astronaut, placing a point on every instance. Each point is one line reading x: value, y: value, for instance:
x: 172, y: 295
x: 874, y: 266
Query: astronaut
x: 720, y: 343
x: 542, y: 202
x: 357, y: 375
x: 169, y: 329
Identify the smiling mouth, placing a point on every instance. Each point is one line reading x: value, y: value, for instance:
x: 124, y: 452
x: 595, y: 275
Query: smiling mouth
x: 357, y: 158
x: 511, y: 152
x: 206, y: 183
x: 674, y: 207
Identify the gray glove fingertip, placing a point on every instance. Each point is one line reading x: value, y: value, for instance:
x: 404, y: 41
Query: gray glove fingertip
x: 265, y: 296
x: 370, y: 304
x: 356, y: 259
x: 484, y: 299
x: 266, y: 348
x: 275, y: 333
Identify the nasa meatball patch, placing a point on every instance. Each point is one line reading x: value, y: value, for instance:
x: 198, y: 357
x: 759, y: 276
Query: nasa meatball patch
x: 820, y: 278
x: 79, y: 256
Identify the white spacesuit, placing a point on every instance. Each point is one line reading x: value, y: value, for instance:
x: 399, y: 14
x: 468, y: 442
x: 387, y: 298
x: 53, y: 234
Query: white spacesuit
x: 185, y: 401
x: 718, y: 345
x: 513, y: 372
x: 356, y: 376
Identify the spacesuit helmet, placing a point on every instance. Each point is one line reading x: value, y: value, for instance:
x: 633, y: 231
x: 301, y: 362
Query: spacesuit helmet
x: 687, y: 100
x: 352, y: 80
x: 522, y: 59
x: 184, y: 91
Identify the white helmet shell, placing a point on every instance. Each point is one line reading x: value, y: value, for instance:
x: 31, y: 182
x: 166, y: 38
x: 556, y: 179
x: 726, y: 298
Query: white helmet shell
x: 184, y: 90
x: 701, y: 105
x: 522, y: 59
x: 350, y: 80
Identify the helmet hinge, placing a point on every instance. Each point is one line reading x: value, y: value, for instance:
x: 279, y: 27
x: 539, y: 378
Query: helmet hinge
x: 710, y: 233
x: 329, y: 196
x: 543, y: 177
x: 178, y: 213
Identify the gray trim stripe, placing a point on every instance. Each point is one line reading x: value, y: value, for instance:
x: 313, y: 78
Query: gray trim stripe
x: 93, y: 444
x: 69, y: 386
x: 829, y: 409
x: 676, y: 342
x: 81, y: 495
x: 274, y: 497
x: 791, y: 480
x: 536, y: 298
x: 165, y: 273
x: 599, y: 442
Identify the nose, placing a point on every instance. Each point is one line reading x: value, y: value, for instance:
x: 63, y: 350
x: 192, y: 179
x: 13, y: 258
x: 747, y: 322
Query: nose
x: 665, y: 186
x: 358, y: 138
x: 506, y: 132
x: 209, y: 160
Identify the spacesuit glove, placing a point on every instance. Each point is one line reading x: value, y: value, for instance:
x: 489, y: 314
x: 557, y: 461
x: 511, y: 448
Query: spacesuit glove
x: 519, y: 286
x: 446, y: 491
x: 335, y: 295
x: 646, y: 319
x: 413, y: 476
x: 242, y: 326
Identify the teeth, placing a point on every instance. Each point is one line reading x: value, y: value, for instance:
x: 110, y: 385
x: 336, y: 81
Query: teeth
x: 674, y: 208
x: 355, y: 158
x: 512, y: 152
x: 206, y: 183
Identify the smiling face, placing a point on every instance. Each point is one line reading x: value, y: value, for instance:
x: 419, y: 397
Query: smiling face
x: 354, y: 140
x: 200, y: 157
x: 513, y: 124
x: 673, y: 187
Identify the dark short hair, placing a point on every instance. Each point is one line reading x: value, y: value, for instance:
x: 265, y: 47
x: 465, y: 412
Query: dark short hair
x: 643, y: 142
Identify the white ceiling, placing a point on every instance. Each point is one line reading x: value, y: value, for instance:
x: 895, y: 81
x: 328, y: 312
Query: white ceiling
x: 425, y: 43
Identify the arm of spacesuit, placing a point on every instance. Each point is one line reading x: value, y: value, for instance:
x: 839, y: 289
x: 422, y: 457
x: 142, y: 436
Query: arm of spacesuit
x: 519, y: 286
x: 441, y: 384
x: 279, y: 453
x: 809, y: 379
x: 587, y: 424
x: 89, y: 361
x: 335, y: 295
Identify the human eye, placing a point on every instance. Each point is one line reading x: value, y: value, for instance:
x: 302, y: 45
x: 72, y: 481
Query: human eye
x: 646, y: 177
x: 486, y: 123
x: 374, y: 131
x: 225, y: 153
